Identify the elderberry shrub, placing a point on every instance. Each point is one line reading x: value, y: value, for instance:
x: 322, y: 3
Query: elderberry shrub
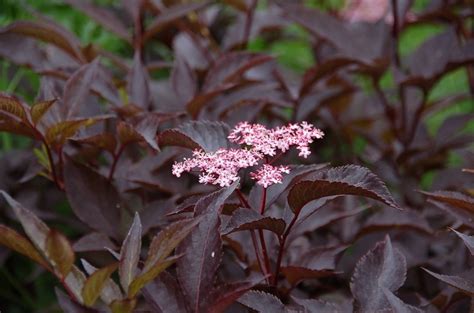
x: 173, y: 159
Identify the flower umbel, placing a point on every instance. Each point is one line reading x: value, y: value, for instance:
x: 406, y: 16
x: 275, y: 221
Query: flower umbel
x: 268, y: 175
x: 268, y: 141
x: 221, y: 167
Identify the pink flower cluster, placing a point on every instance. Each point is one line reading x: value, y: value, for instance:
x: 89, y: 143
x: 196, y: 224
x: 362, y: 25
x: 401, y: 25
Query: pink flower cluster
x: 259, y: 143
x: 268, y: 175
x: 268, y: 141
x: 219, y: 167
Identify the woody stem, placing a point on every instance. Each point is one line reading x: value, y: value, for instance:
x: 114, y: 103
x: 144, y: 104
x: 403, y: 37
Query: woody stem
x: 244, y: 203
x: 260, y: 234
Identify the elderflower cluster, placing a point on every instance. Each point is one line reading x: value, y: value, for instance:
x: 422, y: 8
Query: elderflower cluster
x: 268, y: 175
x: 221, y: 167
x: 268, y: 141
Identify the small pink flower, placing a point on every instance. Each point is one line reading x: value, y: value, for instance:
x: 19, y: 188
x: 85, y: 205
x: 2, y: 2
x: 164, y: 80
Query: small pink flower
x: 268, y: 141
x: 268, y: 175
x: 222, y: 166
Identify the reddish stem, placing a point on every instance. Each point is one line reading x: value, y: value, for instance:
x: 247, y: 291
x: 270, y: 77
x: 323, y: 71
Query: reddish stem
x: 52, y: 167
x: 61, y: 163
x: 246, y: 204
x: 264, y: 201
x: 257, y: 255
x: 262, y: 237
x: 276, y: 157
x: 416, y: 120
x: 395, y: 32
x: 386, y: 106
x: 116, y: 157
x: 68, y: 290
x: 281, y: 250
x: 248, y: 22
x: 242, y: 199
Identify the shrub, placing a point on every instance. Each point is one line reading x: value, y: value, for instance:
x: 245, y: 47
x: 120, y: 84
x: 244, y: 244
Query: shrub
x: 234, y: 156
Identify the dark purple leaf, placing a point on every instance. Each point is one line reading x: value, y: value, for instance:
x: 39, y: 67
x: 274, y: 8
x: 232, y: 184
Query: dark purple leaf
x: 96, y: 282
x: 104, y: 141
x: 462, y: 216
x: 398, y: 306
x: 158, y: 253
x: 253, y: 94
x: 383, y: 267
x: 319, y: 71
x: 93, y: 242
x: 39, y: 109
x: 147, y: 129
x: 320, y: 215
x: 102, y: 16
x: 192, y: 49
x: 133, y: 8
x: 296, y: 274
x: 59, y: 252
x: 75, y: 281
x: 232, y: 66
x: 13, y: 240
x: 468, y: 240
x: 345, y: 180
x: 365, y: 42
x: 451, y: 127
x: 183, y: 81
x: 202, y: 250
x: 138, y: 83
x: 57, y: 134
x: 452, y: 198
x: 167, y: 240
x: 14, y: 117
x: 228, y: 294
x: 165, y: 295
x: 262, y: 302
x: 110, y: 290
x: 147, y: 276
x: 154, y: 214
x: 248, y: 219
x: 70, y: 306
x: 463, y: 282
x: 195, y: 106
x: 172, y: 13
x: 395, y: 219
x: 127, y: 133
x: 34, y: 228
x: 77, y: 88
x: 425, y: 64
x: 130, y: 254
x: 47, y: 32
x: 22, y: 50
x: 276, y: 190
x: 94, y: 200
x: 262, y: 21
x: 205, y: 135
x: 320, y: 258
x: 319, y: 306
